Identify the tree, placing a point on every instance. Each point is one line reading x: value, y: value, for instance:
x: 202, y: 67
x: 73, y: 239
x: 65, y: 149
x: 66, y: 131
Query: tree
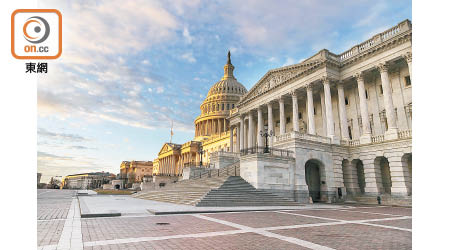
x: 54, y: 183
x: 131, y: 177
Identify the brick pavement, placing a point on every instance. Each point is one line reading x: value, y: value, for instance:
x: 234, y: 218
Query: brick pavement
x: 341, y: 215
x: 53, y: 204
x: 352, y: 237
x: 49, y: 232
x: 123, y: 227
x: 264, y: 219
x: 355, y: 227
x: 406, y: 223
x: 236, y: 241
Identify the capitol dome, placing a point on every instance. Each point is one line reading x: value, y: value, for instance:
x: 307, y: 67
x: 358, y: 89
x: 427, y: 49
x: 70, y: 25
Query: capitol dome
x: 221, y: 98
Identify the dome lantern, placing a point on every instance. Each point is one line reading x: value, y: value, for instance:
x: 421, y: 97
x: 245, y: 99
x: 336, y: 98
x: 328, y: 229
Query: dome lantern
x: 228, y: 69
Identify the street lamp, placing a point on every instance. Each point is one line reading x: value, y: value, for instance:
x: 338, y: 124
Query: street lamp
x: 266, y: 134
x: 201, y: 155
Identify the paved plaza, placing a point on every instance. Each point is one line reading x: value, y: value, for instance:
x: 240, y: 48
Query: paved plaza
x: 60, y: 226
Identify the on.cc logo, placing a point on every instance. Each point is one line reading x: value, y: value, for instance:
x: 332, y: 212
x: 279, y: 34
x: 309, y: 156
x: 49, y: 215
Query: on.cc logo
x: 36, y: 29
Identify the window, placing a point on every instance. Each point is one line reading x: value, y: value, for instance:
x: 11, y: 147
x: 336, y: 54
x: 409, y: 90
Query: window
x: 288, y: 120
x: 350, y: 132
x: 381, y: 89
x: 314, y: 110
x: 367, y: 94
x: 228, y: 106
x: 277, y: 123
x: 232, y: 106
x: 223, y: 106
x: 346, y: 100
x: 407, y: 81
x: 300, y: 116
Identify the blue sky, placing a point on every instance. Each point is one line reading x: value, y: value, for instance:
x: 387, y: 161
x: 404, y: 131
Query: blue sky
x: 130, y: 67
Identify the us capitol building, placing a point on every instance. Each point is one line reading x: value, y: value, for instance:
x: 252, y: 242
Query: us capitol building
x: 336, y: 125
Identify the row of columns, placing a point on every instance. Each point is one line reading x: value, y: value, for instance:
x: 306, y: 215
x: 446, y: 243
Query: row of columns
x: 165, y: 165
x: 211, y: 127
x: 246, y: 139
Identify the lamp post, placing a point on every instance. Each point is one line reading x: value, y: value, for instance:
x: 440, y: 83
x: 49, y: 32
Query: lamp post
x: 266, y: 134
x: 201, y: 155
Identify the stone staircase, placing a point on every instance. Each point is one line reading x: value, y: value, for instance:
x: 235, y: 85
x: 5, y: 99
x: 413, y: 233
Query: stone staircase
x: 216, y: 188
x: 235, y: 191
x: 188, y: 192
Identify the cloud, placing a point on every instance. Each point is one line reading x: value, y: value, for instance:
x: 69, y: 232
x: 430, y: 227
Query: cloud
x: 59, y: 165
x: 188, y: 56
x: 159, y: 90
x: 79, y: 147
x: 187, y: 35
x: 60, y: 136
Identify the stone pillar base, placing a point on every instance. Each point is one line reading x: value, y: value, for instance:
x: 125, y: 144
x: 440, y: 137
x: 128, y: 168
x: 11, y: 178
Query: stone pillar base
x: 399, y: 194
x: 365, y: 139
x: 335, y: 140
x: 391, y: 134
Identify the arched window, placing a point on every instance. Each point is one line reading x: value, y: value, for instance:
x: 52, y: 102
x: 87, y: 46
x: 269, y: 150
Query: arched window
x: 228, y: 106
x: 223, y: 106
x: 232, y: 106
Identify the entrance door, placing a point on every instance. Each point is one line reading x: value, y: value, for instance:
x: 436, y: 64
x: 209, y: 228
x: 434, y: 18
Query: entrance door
x: 312, y: 174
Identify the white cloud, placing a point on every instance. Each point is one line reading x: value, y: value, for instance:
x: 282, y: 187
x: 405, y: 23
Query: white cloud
x: 187, y: 35
x: 145, y: 62
x: 148, y: 80
x: 188, y: 56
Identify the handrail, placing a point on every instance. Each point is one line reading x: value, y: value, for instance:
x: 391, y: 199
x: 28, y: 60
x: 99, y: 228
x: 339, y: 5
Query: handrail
x: 268, y: 151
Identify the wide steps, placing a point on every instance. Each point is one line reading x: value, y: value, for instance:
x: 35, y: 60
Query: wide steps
x: 215, y: 191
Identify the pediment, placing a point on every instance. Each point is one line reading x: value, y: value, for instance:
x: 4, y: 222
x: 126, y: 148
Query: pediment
x: 275, y: 77
x: 165, y: 148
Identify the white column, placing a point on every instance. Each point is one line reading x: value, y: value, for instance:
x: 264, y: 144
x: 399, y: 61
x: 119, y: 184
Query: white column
x: 231, y: 139
x: 245, y: 139
x: 366, y: 134
x: 342, y: 111
x: 238, y: 138
x: 220, y: 126
x: 408, y: 58
x: 241, y: 134
x: 310, y: 110
x: 282, y: 117
x: 270, y: 122
x: 328, y: 108
x: 392, y: 132
x: 295, y: 110
x: 250, y: 130
x: 324, y: 113
x: 260, y: 128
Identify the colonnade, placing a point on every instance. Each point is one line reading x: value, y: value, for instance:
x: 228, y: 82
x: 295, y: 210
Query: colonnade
x: 165, y: 164
x: 211, y: 127
x: 246, y: 130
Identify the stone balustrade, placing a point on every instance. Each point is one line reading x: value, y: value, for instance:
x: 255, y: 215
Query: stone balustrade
x: 224, y: 153
x: 377, y: 138
x: 405, y: 134
x: 375, y: 40
x: 302, y: 136
x: 353, y: 143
